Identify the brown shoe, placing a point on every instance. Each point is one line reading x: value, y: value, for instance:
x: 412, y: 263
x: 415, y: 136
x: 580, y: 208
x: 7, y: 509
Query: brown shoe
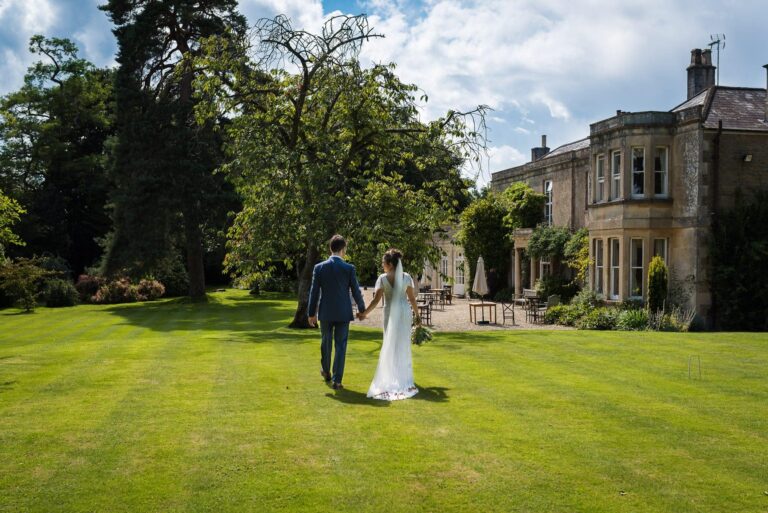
x: 326, y: 375
x: 338, y: 386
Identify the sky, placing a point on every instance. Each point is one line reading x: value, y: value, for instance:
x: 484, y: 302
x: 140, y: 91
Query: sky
x: 544, y: 66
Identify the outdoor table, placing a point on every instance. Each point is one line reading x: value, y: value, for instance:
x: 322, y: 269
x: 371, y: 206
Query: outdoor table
x: 439, y: 295
x: 473, y: 310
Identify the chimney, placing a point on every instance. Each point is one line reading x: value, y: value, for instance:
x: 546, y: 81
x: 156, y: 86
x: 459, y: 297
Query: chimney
x: 701, y: 72
x: 537, y: 153
x: 766, y: 93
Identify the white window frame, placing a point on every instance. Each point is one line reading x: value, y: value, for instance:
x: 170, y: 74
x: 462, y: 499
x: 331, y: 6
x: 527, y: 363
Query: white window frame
x: 664, y: 172
x: 598, y: 253
x: 614, y: 245
x: 444, y: 269
x: 640, y: 172
x: 634, y: 266
x: 616, y: 175
x: 600, y: 178
x: 548, y: 192
x: 458, y: 278
x: 665, y: 244
x: 545, y: 267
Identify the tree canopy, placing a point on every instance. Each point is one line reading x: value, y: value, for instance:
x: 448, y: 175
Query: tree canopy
x: 317, y: 145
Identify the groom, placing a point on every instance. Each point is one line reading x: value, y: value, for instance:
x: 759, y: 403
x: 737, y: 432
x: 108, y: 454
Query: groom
x: 332, y: 281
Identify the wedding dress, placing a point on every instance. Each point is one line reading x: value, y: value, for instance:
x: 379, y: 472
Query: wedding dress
x: 394, y: 374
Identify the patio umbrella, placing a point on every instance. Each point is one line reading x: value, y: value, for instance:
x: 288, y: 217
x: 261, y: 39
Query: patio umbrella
x: 480, y: 284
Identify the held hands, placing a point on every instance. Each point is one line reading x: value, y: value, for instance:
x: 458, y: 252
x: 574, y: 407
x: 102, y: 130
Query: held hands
x: 361, y: 316
x: 313, y: 321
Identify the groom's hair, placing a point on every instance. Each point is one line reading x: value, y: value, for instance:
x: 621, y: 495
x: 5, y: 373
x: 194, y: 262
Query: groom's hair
x: 337, y: 243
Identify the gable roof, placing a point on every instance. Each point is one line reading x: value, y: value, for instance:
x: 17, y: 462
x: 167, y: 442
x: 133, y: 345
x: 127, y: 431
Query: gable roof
x: 740, y: 108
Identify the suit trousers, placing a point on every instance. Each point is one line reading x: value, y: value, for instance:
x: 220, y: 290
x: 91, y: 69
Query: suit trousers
x: 334, y: 331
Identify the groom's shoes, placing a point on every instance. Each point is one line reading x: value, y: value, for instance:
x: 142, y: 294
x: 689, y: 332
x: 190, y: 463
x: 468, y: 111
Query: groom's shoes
x: 337, y: 386
x: 326, y: 375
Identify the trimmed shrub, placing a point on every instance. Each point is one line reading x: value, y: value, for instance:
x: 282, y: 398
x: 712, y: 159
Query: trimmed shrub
x: 587, y: 300
x: 658, y: 283
x: 87, y: 285
x: 632, y: 320
x: 58, y: 293
x: 118, y: 291
x: 598, y: 319
x: 150, y: 290
x: 566, y: 315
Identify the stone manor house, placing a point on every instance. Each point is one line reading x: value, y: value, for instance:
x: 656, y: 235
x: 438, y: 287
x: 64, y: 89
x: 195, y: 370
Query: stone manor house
x: 649, y: 183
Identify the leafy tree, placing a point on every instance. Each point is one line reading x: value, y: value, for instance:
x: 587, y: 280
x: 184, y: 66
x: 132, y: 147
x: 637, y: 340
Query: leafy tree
x: 525, y: 207
x: 21, y: 280
x: 10, y: 213
x: 548, y: 241
x: 53, y: 131
x: 658, y: 282
x: 483, y: 232
x: 576, y: 254
x: 164, y: 161
x: 318, y: 145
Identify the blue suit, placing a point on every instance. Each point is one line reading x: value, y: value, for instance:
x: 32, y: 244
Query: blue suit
x: 332, y: 282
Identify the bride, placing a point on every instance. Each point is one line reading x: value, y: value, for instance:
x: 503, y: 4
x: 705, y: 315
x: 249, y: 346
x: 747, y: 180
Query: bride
x: 394, y: 374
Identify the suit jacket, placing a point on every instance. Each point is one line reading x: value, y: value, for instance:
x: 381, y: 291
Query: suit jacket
x: 332, y: 281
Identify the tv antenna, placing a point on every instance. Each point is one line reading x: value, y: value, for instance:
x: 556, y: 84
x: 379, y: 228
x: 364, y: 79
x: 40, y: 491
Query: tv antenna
x: 719, y: 41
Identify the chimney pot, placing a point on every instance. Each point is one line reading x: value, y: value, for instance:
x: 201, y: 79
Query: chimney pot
x: 543, y: 141
x: 701, y: 72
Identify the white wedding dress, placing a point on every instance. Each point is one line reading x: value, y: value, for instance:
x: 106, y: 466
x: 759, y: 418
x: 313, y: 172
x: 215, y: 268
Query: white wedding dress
x: 394, y: 373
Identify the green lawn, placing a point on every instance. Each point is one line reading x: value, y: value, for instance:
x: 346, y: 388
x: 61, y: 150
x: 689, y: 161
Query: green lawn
x: 172, y: 406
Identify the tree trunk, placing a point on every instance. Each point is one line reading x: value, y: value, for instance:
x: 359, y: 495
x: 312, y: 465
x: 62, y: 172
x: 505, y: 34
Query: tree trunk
x: 194, y: 255
x: 305, y: 282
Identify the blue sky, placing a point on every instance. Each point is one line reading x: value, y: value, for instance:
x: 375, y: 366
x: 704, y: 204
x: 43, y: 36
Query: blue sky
x: 545, y: 66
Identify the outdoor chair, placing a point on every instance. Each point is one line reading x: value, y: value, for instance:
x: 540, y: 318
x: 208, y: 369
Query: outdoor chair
x: 552, y: 300
x: 507, y: 310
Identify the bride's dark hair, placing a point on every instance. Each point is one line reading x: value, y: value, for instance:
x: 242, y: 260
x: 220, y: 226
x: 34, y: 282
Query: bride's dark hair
x: 392, y: 257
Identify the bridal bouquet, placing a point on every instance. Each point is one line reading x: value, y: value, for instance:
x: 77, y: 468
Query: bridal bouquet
x: 420, y: 334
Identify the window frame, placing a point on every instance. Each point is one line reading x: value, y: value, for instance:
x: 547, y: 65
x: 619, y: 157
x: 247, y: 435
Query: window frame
x: 548, y: 204
x: 616, y: 175
x: 638, y: 195
x: 633, y: 267
x: 665, y: 256
x: 615, y: 277
x: 598, y: 253
x: 665, y: 172
x: 458, y: 262
x: 600, y: 178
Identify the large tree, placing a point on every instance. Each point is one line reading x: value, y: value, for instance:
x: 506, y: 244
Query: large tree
x: 319, y: 145
x: 52, y: 160
x: 164, y: 161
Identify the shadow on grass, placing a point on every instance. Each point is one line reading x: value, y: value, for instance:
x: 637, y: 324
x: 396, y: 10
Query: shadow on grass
x: 232, y: 315
x: 348, y: 396
x: 431, y: 394
x: 8, y: 385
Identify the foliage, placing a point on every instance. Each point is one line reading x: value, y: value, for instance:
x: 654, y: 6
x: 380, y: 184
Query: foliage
x: 150, y: 290
x: 632, y: 320
x: 587, y: 299
x: 117, y: 291
x: 483, y: 233
x: 601, y: 318
x: 421, y: 335
x: 87, y: 285
x: 58, y: 293
x: 505, y: 295
x: 318, y: 145
x: 576, y: 253
x: 10, y: 213
x: 21, y: 281
x: 170, y: 271
x: 159, y: 146
x: 52, y: 159
x: 548, y: 242
x: 524, y: 207
x: 556, y: 284
x: 658, y: 280
x: 739, y: 257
